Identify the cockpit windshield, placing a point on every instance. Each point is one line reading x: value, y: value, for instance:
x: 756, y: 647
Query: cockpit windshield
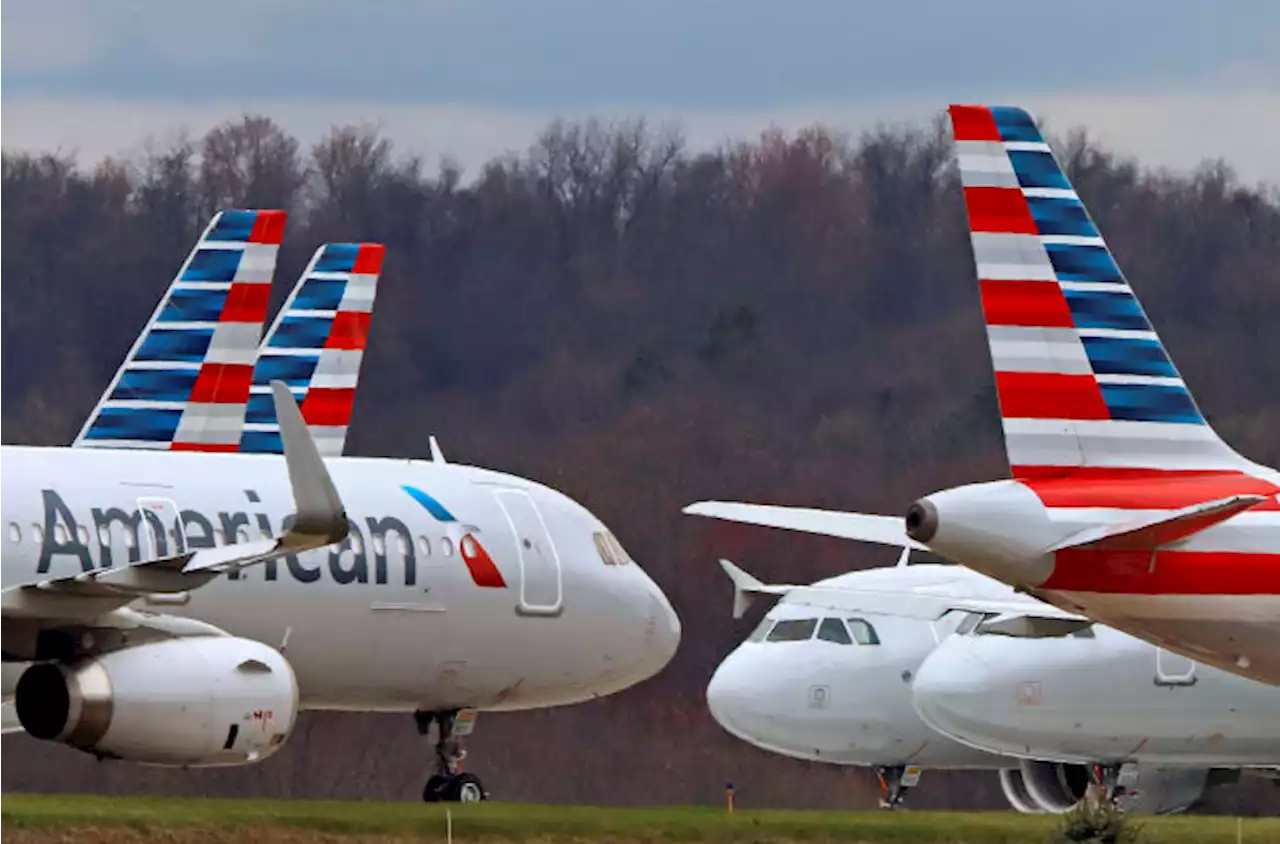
x: 838, y: 631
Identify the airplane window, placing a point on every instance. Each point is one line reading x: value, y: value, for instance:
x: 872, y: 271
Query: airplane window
x: 863, y: 633
x: 603, y: 549
x: 833, y: 630
x: 82, y: 534
x: 424, y: 546
x: 402, y: 545
x: 15, y: 532
x: 793, y: 630
x: 104, y: 536
x: 446, y: 546
x: 357, y: 542
x: 218, y: 537
x: 619, y: 553
x: 37, y: 533
x: 1084, y: 633
x: 60, y: 534
x: 379, y: 545
x: 970, y: 621
x: 242, y: 534
x: 761, y: 630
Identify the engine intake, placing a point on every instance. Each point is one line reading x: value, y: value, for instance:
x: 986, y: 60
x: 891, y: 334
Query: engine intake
x: 199, y: 701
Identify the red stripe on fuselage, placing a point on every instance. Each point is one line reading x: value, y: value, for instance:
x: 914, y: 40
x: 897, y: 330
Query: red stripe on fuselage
x: 1044, y: 395
x: 973, y: 123
x: 1126, y: 572
x: 1144, y: 489
x: 999, y: 210
x: 1035, y: 304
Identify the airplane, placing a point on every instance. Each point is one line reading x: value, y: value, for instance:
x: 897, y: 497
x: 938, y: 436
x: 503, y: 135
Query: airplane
x: 181, y: 602
x: 832, y: 676
x: 1098, y: 697
x: 824, y: 682
x: 1123, y: 505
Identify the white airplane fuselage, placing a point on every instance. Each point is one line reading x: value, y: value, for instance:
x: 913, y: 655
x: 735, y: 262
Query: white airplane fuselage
x: 1106, y: 697
x: 395, y: 619
x: 847, y: 704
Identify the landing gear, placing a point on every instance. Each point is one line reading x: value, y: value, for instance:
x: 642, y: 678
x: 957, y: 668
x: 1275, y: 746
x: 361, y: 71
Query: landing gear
x: 1110, y: 784
x: 449, y: 784
x: 895, y: 782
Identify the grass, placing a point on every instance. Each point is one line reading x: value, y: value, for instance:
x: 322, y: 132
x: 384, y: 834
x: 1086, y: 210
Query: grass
x: 94, y: 819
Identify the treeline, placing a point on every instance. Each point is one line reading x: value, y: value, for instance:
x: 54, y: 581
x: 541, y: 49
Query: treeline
x: 790, y: 319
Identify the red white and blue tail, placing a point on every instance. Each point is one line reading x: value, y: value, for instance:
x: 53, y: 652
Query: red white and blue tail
x: 316, y: 346
x: 1083, y: 380
x: 184, y: 385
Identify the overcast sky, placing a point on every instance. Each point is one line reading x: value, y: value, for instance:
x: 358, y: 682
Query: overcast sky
x: 1174, y: 81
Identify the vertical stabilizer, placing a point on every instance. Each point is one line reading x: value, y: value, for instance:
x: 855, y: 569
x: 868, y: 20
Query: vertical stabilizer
x: 1082, y: 378
x: 316, y: 346
x: 184, y: 385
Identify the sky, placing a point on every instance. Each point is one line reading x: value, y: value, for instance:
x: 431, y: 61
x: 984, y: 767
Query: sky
x: 1171, y: 81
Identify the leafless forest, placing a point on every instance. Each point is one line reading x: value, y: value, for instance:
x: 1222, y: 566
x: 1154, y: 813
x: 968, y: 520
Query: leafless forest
x: 790, y: 319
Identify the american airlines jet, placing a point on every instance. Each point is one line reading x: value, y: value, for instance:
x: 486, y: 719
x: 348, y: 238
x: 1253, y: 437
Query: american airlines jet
x: 1123, y: 504
x: 181, y: 603
x: 915, y: 684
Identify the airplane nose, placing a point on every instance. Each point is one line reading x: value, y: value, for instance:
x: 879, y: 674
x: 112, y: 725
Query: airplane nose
x: 663, y: 631
x: 733, y: 698
x: 954, y: 692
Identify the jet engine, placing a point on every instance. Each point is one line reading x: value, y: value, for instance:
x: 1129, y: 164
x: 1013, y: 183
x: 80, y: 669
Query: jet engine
x: 1055, y: 788
x: 198, y: 701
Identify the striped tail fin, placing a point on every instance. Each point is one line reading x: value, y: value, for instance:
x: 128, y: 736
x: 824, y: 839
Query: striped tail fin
x: 1082, y: 378
x: 316, y: 345
x: 184, y: 385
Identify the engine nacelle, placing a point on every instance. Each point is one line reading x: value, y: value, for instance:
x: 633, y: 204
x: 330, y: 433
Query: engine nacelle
x: 199, y: 701
x: 1055, y: 788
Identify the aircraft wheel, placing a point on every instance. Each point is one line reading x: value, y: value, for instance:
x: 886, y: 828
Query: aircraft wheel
x: 463, y: 788
x: 432, y: 792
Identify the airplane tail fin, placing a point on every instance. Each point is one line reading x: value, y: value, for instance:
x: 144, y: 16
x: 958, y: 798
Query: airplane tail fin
x: 1083, y: 380
x: 316, y: 346
x: 185, y: 383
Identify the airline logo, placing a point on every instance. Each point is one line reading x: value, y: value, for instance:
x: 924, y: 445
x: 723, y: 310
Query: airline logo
x: 185, y: 384
x: 484, y: 572
x: 1081, y: 376
x: 316, y: 347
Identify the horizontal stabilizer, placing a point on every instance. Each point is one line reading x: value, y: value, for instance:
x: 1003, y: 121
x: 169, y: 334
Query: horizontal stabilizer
x: 1156, y: 531
x: 878, y: 530
x: 747, y: 588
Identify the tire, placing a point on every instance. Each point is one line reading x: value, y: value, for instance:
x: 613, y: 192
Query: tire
x: 431, y: 792
x: 463, y: 788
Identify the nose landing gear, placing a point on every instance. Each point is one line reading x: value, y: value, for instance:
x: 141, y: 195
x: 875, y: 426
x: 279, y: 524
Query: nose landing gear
x: 895, y: 782
x: 449, y: 784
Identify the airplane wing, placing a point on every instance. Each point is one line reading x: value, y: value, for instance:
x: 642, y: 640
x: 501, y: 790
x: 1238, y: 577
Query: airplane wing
x: 319, y: 521
x: 1026, y: 616
x: 879, y: 530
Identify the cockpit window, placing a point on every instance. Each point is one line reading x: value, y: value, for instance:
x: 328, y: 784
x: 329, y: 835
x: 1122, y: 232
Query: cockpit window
x: 863, y: 632
x: 833, y: 630
x: 965, y: 627
x: 761, y: 630
x: 619, y: 553
x: 793, y: 630
x: 604, y: 549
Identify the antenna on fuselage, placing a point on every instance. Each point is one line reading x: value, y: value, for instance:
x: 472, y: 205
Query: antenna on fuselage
x: 904, y: 557
x: 437, y: 455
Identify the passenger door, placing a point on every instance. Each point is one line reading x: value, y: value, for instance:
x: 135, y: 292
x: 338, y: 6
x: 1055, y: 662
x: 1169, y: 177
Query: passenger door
x: 540, y: 576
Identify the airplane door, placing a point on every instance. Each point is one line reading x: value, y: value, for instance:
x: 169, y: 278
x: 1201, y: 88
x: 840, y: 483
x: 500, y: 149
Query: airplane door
x: 1174, y: 669
x: 540, y: 581
x: 161, y: 529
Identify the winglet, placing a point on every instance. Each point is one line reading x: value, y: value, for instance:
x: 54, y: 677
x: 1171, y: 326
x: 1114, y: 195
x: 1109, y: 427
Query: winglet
x: 319, y: 508
x: 747, y: 588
